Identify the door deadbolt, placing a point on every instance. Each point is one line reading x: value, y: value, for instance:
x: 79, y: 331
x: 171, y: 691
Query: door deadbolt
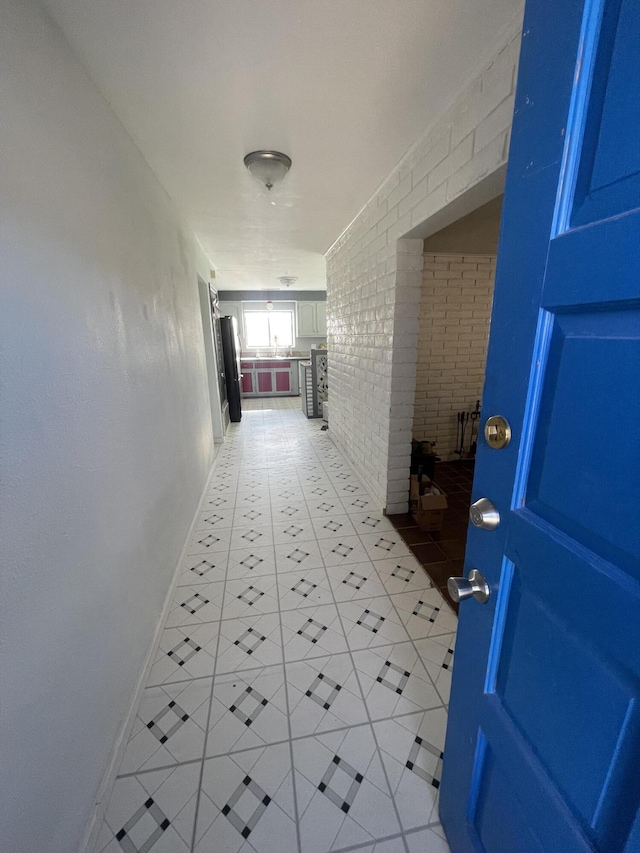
x: 483, y: 514
x: 497, y: 432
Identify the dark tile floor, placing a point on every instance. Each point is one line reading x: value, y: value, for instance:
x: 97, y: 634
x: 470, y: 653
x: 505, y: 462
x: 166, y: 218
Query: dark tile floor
x: 442, y: 552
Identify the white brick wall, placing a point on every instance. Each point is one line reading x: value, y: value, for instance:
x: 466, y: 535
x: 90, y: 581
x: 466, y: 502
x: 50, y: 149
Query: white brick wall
x: 455, y: 309
x: 374, y: 277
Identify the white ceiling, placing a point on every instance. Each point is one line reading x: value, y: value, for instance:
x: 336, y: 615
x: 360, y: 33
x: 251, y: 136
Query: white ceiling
x: 344, y: 87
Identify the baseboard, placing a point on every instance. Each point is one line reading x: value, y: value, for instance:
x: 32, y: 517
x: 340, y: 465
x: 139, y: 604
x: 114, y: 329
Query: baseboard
x: 94, y: 823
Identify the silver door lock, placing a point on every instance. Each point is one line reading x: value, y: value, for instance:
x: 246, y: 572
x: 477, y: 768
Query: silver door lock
x: 475, y: 586
x: 483, y: 514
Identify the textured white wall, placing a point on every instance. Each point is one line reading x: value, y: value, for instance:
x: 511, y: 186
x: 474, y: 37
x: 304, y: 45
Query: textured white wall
x: 105, y: 432
x: 374, y: 276
x: 455, y: 309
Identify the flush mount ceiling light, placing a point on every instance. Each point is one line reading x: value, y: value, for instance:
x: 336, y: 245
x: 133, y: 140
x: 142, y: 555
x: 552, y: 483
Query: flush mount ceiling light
x: 287, y: 280
x: 269, y: 167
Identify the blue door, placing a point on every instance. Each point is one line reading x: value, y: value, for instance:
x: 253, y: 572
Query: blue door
x: 543, y: 748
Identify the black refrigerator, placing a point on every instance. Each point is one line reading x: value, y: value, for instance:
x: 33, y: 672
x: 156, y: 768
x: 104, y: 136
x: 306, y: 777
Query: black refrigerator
x: 231, y: 353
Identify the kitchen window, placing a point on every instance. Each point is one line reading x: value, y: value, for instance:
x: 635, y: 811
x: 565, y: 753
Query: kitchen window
x: 268, y: 329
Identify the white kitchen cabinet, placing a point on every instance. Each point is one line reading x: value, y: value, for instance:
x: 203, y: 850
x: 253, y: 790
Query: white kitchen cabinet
x: 312, y: 319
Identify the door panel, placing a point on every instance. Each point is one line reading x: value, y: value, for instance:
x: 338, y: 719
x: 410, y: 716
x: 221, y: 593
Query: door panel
x: 544, y: 732
x: 265, y: 380
x: 283, y: 380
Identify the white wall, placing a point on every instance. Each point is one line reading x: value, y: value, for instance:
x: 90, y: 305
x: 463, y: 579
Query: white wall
x: 455, y: 309
x: 105, y: 432
x: 374, y: 276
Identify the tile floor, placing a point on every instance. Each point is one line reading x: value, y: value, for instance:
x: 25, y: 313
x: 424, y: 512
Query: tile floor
x: 441, y: 552
x: 298, y: 698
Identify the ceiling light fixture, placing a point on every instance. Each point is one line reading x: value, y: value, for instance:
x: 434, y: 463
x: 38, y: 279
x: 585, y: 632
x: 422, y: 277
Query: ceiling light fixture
x: 287, y: 280
x: 268, y: 167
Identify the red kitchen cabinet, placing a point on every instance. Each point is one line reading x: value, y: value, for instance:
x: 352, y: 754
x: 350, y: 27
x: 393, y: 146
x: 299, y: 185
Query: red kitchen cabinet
x: 265, y: 380
x: 268, y: 377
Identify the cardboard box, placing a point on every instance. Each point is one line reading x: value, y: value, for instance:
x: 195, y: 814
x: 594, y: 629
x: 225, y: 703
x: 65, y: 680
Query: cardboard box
x: 431, y: 510
x: 414, y: 494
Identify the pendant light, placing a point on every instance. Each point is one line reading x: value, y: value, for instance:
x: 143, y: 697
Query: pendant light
x: 268, y: 167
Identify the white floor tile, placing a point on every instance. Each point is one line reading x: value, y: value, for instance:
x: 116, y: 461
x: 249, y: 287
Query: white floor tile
x: 324, y: 694
x: 245, y: 516
x: 371, y: 622
x: 427, y: 841
x: 250, y: 562
x: 186, y: 652
x: 246, y: 803
x: 170, y: 726
x: 384, y: 544
x: 332, y: 525
x: 255, y: 651
x: 312, y: 632
x: 248, y: 642
x: 370, y: 522
x: 300, y: 530
x: 215, y: 518
x: 395, y: 681
x: 252, y: 536
x: 343, y: 550
x: 287, y: 511
x: 343, y: 797
x: 356, y: 580
x: 402, y: 574
x: 412, y: 753
x: 298, y: 556
x: 210, y: 541
x: 203, y: 569
x: 195, y: 603
x: 250, y: 596
x: 157, y: 805
x: 248, y: 709
x: 425, y: 613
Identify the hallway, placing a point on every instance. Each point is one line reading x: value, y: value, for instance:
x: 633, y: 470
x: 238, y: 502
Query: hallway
x: 297, y: 701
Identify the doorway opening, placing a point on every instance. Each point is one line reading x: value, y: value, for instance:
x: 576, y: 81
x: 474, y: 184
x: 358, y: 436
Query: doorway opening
x: 459, y: 263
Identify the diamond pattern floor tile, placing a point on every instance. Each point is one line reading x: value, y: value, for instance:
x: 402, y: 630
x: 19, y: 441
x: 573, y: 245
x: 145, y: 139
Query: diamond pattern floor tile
x: 195, y: 603
x: 425, y: 613
x: 324, y: 694
x: 203, y: 568
x: 248, y: 709
x: 154, y: 810
x: 247, y: 797
x: 170, y: 726
x: 342, y: 792
x: 411, y: 749
x: 371, y: 622
x: 185, y: 652
x: 248, y: 642
x: 298, y: 613
x: 251, y: 561
x: 395, y: 681
x: 355, y: 580
x: 304, y: 588
x: 249, y: 596
x: 312, y: 632
x: 402, y: 574
x: 343, y: 550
